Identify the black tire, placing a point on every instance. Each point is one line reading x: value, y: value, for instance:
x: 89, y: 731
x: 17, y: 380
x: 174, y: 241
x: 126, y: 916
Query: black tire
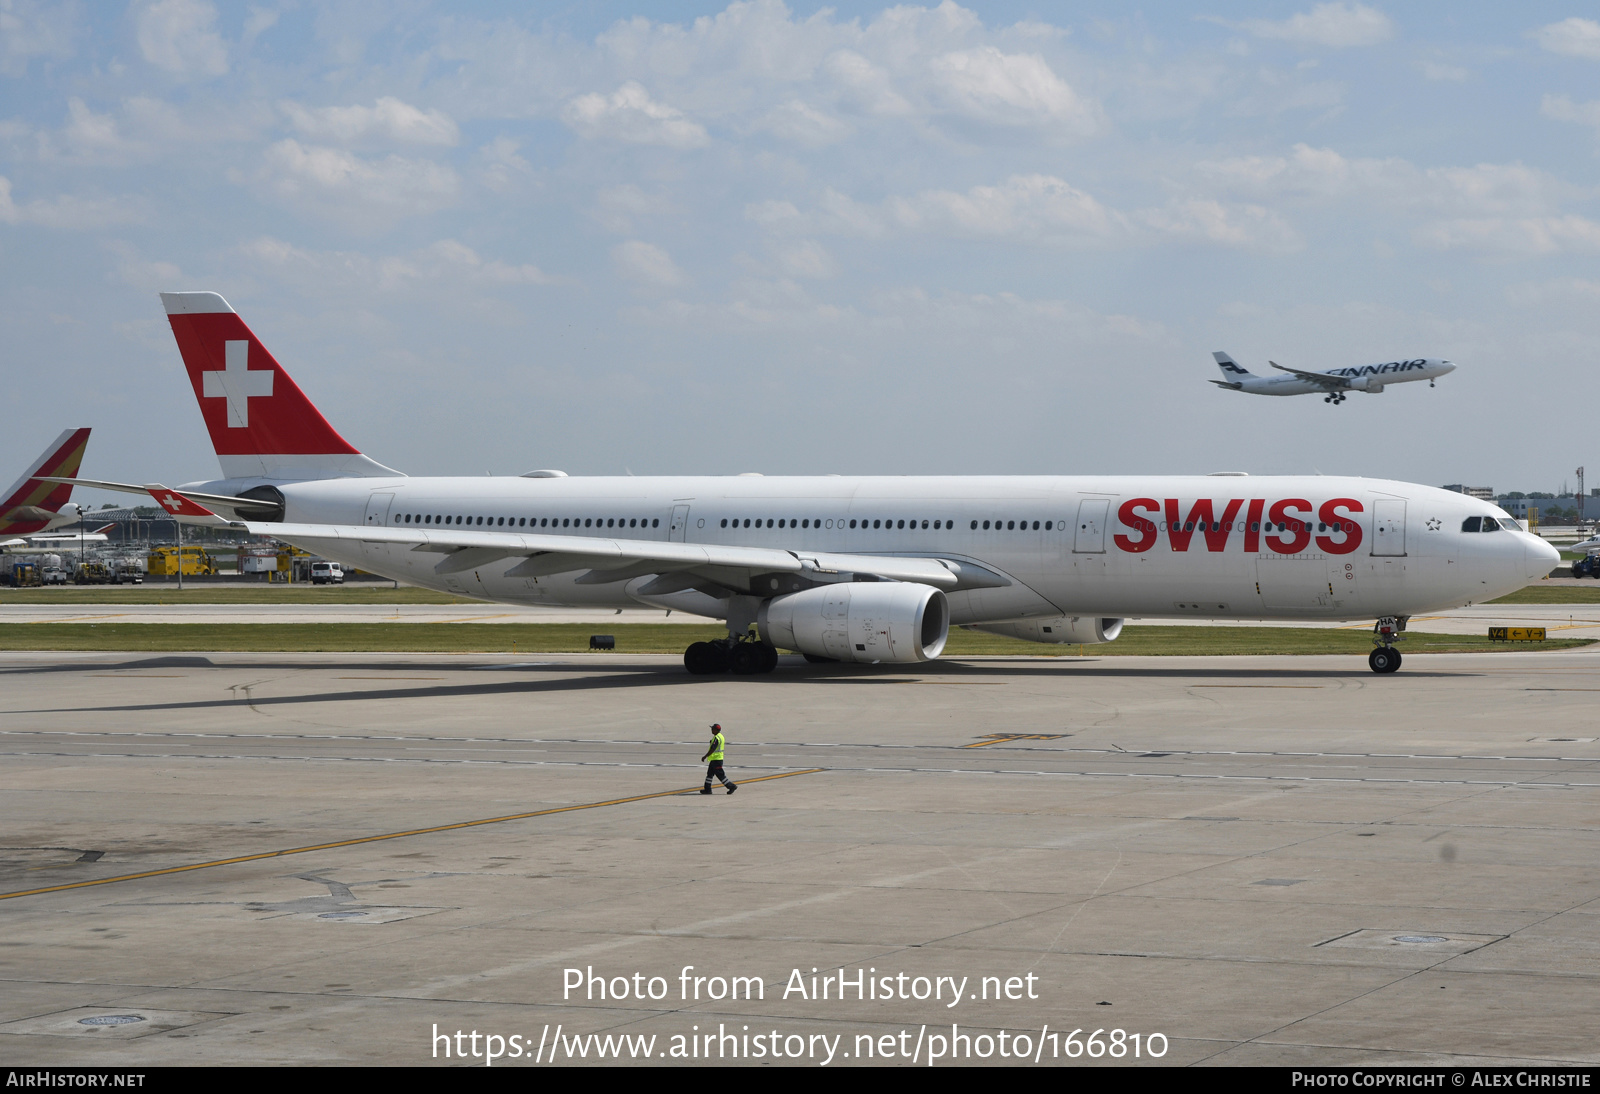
x: 700, y: 659
x: 769, y: 658
x: 746, y: 659
x: 1384, y: 659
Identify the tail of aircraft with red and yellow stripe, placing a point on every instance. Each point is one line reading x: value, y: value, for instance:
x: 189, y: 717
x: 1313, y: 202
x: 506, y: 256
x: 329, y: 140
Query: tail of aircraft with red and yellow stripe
x: 31, y: 505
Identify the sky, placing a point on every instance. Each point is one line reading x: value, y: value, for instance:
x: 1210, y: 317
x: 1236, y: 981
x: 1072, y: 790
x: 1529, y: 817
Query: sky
x: 696, y: 239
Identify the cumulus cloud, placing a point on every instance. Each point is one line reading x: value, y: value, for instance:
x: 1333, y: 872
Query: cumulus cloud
x: 180, y: 37
x: 1040, y: 207
x: 803, y: 124
x: 646, y: 264
x: 447, y: 262
x: 1248, y: 227
x: 1563, y: 109
x: 388, y: 120
x: 1573, y: 37
x: 805, y: 258
x: 630, y: 114
x: 1012, y: 89
x: 362, y: 193
x: 68, y: 211
x: 1337, y: 26
x: 30, y: 29
x: 618, y: 207
x: 1514, y: 235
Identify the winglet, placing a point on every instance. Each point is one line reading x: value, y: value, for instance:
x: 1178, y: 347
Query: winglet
x: 185, y: 510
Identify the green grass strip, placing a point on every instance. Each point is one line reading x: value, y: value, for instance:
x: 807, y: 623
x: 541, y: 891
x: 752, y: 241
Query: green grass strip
x: 669, y: 638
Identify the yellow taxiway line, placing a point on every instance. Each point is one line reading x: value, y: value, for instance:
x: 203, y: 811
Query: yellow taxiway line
x: 390, y: 835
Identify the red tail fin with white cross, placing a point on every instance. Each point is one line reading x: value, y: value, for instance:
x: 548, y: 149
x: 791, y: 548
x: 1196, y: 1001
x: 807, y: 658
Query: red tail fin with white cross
x: 261, y: 423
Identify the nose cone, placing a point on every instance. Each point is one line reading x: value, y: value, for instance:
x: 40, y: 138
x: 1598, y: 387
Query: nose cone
x: 1446, y: 366
x: 1540, y: 557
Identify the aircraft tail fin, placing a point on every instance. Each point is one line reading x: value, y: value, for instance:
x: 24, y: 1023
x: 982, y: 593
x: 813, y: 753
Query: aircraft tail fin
x: 1232, y: 371
x: 30, y: 505
x: 261, y: 423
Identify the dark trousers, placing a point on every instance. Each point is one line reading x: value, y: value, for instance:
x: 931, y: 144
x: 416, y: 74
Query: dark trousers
x: 715, y: 769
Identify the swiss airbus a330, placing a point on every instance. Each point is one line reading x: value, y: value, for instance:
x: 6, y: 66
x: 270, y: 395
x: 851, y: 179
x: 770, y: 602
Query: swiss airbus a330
x: 1335, y: 384
x: 839, y: 568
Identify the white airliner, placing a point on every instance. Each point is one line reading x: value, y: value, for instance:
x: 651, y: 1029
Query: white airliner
x: 1335, y: 384
x: 863, y: 569
x: 37, y: 503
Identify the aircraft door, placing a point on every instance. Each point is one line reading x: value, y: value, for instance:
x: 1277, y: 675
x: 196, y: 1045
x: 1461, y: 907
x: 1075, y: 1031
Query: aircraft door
x: 680, y: 524
x: 1090, y: 535
x: 378, y: 510
x: 377, y: 517
x: 1388, y: 527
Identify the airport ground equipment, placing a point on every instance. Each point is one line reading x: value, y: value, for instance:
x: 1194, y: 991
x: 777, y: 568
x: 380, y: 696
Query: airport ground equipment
x: 22, y: 575
x: 196, y: 562
x: 92, y: 571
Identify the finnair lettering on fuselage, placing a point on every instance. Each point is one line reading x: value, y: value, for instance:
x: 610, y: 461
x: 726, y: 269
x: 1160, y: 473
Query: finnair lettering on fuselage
x: 1380, y: 370
x: 1283, y: 527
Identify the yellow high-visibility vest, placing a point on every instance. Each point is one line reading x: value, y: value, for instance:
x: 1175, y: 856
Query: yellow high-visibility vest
x: 717, y: 745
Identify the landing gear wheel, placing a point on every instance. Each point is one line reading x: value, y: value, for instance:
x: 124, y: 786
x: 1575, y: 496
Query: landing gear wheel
x: 746, y: 659
x: 705, y: 659
x: 752, y: 659
x: 1384, y: 659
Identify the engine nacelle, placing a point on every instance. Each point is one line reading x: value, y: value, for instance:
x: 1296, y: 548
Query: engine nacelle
x: 1077, y: 630
x: 896, y: 621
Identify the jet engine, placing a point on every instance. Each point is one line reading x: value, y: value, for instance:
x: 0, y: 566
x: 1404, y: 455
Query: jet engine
x: 895, y: 621
x: 1077, y: 630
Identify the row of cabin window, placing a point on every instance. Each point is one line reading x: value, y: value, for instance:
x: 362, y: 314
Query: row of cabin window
x: 1253, y: 526
x: 534, y: 522
x: 937, y: 525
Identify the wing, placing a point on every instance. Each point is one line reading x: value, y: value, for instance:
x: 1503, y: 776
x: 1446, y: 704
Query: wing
x: 1320, y: 378
x: 714, y: 568
x: 1230, y: 387
x: 227, y: 502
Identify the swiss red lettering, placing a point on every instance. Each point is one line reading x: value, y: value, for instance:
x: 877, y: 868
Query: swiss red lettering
x: 1202, y: 518
x: 1351, y: 531
x: 1128, y: 514
x: 1299, y: 532
x: 1252, y: 526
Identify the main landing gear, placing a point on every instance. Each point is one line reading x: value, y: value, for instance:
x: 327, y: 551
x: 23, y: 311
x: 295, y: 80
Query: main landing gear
x: 742, y: 657
x: 1336, y: 398
x: 1386, y: 632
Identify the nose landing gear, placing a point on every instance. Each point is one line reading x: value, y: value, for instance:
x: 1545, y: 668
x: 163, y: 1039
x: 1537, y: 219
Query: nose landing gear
x: 1386, y: 632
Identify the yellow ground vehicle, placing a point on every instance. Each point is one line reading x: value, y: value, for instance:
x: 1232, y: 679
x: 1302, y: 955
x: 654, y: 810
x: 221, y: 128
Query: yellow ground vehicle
x: 196, y: 562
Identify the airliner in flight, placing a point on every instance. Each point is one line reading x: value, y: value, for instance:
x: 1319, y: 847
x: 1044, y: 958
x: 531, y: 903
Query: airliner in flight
x: 1335, y: 384
x: 839, y: 568
x: 37, y: 503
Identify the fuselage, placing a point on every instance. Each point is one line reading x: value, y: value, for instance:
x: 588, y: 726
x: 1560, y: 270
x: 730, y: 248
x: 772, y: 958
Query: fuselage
x: 1208, y: 546
x: 1371, y: 378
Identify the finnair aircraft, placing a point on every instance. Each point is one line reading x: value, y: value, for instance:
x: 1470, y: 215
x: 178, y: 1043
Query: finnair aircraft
x: 862, y: 569
x: 1335, y: 384
x: 37, y: 502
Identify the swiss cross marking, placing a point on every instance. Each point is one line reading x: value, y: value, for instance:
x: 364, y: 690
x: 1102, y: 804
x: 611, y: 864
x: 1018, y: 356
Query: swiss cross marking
x: 172, y: 503
x: 237, y: 383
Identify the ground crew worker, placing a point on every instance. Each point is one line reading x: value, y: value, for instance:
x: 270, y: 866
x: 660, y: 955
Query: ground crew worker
x: 714, y: 756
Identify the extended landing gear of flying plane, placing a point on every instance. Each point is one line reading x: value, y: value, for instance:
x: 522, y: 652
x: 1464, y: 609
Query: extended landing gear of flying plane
x: 745, y: 657
x: 1335, y: 398
x: 1385, y: 658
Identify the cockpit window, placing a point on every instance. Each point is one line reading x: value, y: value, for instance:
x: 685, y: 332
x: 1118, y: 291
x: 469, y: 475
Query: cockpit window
x: 1490, y: 524
x: 1471, y: 524
x: 1510, y: 525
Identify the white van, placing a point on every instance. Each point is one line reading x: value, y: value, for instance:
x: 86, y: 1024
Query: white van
x: 326, y: 573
